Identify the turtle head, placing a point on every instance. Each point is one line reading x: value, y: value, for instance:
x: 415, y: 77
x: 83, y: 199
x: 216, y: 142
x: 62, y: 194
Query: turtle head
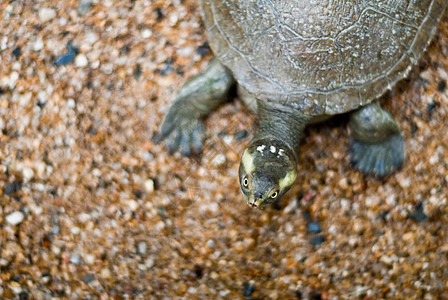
x: 267, y: 171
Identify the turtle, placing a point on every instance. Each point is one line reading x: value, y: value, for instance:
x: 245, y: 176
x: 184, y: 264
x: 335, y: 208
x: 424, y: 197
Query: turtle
x: 297, y: 62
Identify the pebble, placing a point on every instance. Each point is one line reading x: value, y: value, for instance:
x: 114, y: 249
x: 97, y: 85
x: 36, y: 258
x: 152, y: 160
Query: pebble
x: 418, y: 215
x: 46, y: 14
x: 141, y: 249
x: 343, y: 183
x: 317, y: 240
x: 146, y: 33
x: 15, y: 218
x: 81, y: 61
x: 149, y: 186
x: 91, y: 38
x: 313, y: 227
x: 38, y: 45
x: 65, y: 59
x: 249, y: 289
x: 83, y: 7
x: 219, y: 160
x: 241, y: 135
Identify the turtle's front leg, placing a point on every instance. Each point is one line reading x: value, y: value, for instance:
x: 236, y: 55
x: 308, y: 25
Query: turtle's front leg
x: 377, y: 144
x: 183, y: 126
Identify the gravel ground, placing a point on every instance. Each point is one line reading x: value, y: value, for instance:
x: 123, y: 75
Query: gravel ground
x: 92, y: 209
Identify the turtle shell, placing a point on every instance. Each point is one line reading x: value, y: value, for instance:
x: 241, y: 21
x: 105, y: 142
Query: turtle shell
x: 320, y: 56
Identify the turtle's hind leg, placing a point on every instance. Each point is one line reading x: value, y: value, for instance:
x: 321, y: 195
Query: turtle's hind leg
x: 183, y: 126
x: 377, y: 147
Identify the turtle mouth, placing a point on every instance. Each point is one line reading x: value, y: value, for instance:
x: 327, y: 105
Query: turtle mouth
x: 255, y: 202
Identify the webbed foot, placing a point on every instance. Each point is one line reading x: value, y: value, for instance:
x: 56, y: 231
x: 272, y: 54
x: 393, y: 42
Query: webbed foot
x: 378, y: 159
x: 182, y: 130
x: 377, y: 144
x: 183, y: 127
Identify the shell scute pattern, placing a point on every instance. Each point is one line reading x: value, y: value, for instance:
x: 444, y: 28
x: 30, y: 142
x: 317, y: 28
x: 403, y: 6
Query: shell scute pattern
x: 322, y: 57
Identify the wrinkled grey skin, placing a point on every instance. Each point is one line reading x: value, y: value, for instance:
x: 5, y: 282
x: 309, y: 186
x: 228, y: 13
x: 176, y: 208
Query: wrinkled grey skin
x: 377, y: 145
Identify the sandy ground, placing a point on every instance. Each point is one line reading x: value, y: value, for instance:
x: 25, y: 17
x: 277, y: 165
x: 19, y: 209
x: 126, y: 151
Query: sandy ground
x: 90, y: 208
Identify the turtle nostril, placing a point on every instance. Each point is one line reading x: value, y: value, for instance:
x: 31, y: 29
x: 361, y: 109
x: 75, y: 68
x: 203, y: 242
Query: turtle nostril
x: 255, y: 202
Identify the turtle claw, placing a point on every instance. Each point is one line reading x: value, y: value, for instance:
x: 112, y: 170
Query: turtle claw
x: 378, y: 159
x: 182, y: 131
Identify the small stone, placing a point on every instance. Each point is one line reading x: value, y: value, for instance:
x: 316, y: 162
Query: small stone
x: 313, y: 227
x: 15, y: 218
x: 12, y: 187
x: 91, y: 38
x: 241, y: 135
x: 84, y: 7
x: 149, y: 185
x: 185, y: 51
x: 46, y: 14
x: 88, y: 278
x: 408, y: 236
x: 317, y: 240
x: 132, y: 204
x: 343, y: 183
x: 75, y: 259
x: 81, y: 61
x: 386, y: 259
x: 105, y: 273
x: 15, y: 287
x: 38, y: 45
x: 418, y: 215
x: 146, y: 33
x: 75, y: 230
x: 249, y: 289
x: 311, y: 260
x: 141, y: 248
x: 17, y: 52
x: 219, y: 160
x: 65, y: 59
x: 149, y: 263
x: 62, y: 21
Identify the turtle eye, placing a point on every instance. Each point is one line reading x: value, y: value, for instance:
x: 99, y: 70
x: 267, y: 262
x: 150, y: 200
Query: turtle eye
x: 245, y: 182
x: 274, y: 195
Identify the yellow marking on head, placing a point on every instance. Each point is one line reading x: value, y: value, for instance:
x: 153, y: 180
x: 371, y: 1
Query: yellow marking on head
x: 248, y: 162
x: 288, y: 180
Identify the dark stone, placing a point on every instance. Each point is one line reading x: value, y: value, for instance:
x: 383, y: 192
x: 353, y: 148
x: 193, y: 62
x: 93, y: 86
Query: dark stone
x: 91, y: 130
x: 88, y: 278
x: 315, y: 295
x: 137, y: 71
x: 222, y: 133
x: 204, y: 49
x: 12, y: 187
x: 313, y: 227
x: 138, y: 193
x: 125, y: 49
x: 199, y: 271
x: 41, y: 104
x: 249, y: 289
x: 159, y: 14
x: 317, y: 240
x: 418, y: 215
x: 431, y: 107
x: 241, y: 135
x: 65, y: 59
x: 414, y: 128
x: 442, y: 86
x: 17, y: 52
